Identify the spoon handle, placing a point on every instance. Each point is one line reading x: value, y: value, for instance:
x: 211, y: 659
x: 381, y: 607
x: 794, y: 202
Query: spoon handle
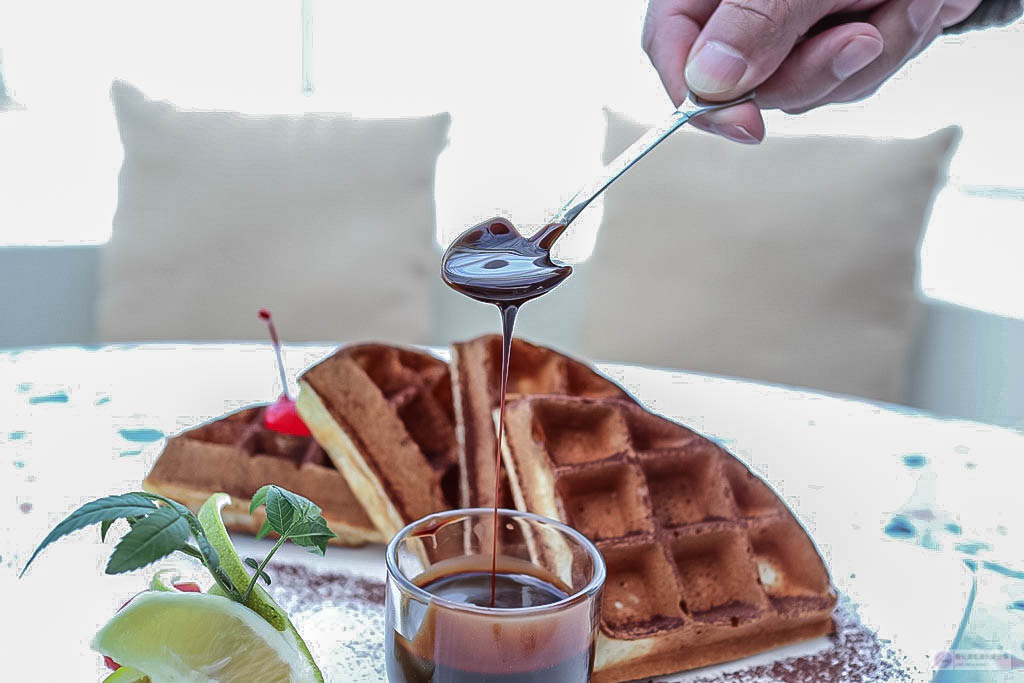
x: 635, y: 152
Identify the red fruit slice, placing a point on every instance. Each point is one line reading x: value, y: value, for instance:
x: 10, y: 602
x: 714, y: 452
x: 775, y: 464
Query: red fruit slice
x: 187, y: 587
x: 111, y: 664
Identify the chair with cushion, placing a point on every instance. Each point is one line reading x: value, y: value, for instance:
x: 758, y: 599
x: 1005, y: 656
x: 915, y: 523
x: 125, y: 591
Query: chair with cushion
x: 326, y: 219
x: 793, y: 262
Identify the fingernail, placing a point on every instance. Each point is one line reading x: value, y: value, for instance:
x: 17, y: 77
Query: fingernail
x: 855, y: 55
x: 923, y: 12
x: 715, y: 68
x: 734, y: 132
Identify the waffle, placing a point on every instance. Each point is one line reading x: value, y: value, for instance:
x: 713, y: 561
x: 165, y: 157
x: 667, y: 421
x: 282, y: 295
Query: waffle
x: 476, y: 389
x: 384, y: 416
x: 705, y: 563
x: 237, y: 454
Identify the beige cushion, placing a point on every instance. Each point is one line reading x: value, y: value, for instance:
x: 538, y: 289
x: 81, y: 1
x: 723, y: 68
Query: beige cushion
x: 328, y: 220
x: 792, y: 262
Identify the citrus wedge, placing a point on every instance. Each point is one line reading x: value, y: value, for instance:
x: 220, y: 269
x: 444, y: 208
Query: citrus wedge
x: 259, y: 600
x: 200, y: 637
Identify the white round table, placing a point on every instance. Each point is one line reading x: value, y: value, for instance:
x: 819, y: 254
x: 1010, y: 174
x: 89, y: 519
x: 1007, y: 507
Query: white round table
x: 919, y: 518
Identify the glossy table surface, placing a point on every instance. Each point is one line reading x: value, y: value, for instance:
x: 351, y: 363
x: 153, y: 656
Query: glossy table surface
x: 920, y: 519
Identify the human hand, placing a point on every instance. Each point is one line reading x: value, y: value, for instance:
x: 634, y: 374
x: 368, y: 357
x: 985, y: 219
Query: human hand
x: 797, y: 54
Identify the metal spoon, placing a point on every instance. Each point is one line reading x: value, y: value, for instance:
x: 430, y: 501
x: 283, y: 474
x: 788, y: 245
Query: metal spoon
x: 493, y: 262
x: 690, y: 110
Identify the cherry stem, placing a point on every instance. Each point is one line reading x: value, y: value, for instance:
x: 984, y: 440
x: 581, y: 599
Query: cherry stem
x: 265, y: 316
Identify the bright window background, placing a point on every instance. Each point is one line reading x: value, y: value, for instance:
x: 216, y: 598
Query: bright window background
x: 525, y: 83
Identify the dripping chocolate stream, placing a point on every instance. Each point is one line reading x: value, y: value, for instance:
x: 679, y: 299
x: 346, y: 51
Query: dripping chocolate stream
x: 493, y: 263
x: 508, y: 323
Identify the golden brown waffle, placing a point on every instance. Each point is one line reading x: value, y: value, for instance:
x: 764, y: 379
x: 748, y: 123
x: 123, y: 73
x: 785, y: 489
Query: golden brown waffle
x: 384, y: 416
x: 476, y: 390
x: 236, y: 454
x: 705, y: 563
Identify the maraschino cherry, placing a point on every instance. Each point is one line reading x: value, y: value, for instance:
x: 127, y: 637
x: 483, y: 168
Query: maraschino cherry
x: 281, y: 415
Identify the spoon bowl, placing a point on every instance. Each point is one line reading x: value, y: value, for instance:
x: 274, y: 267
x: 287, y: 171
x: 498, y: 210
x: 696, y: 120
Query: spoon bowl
x: 492, y: 262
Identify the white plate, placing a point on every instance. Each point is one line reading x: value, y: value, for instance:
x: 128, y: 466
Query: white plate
x: 912, y: 597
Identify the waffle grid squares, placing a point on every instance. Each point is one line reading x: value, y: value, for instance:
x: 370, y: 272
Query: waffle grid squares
x: 385, y: 418
x: 576, y: 436
x: 786, y: 563
x: 238, y: 454
x: 605, y: 499
x: 533, y: 370
x: 639, y: 575
x: 418, y: 388
x: 244, y: 430
x: 689, y: 534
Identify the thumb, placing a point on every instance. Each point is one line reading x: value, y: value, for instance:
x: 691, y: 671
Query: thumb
x: 745, y: 41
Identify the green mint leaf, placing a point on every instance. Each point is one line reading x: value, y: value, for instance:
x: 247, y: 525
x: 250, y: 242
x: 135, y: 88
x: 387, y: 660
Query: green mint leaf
x: 104, y: 528
x: 294, y: 518
x: 259, y: 572
x: 287, y: 513
x: 187, y: 515
x: 264, y: 530
x: 153, y: 538
x: 209, y: 555
x: 280, y: 510
x: 304, y: 507
x: 317, y: 546
x: 259, y: 498
x: 95, y: 512
x: 313, y: 537
x: 193, y: 521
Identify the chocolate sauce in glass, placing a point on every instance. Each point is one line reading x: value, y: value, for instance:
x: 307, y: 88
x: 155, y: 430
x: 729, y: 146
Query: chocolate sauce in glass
x: 514, y: 590
x: 493, y: 263
x: 455, y: 647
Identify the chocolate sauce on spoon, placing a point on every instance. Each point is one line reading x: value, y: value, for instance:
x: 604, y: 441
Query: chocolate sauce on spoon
x: 493, y: 263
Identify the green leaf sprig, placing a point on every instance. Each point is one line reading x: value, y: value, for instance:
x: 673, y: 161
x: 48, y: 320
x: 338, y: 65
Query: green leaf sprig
x: 160, y: 526
x: 293, y: 518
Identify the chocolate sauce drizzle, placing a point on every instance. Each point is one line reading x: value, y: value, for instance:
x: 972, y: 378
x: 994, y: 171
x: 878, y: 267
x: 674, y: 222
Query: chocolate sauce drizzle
x: 493, y: 263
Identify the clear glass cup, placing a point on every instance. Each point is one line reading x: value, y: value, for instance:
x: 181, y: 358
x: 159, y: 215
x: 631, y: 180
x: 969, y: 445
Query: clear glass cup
x: 434, y: 634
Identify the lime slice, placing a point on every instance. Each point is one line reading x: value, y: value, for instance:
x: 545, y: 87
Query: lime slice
x: 126, y: 674
x: 259, y: 600
x: 200, y: 637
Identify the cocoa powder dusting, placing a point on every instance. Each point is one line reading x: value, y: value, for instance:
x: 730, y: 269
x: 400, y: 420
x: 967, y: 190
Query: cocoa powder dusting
x: 341, y: 618
x: 857, y: 654
x: 306, y: 589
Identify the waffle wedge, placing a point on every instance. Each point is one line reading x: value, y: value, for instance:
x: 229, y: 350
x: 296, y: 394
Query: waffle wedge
x: 705, y: 563
x: 237, y: 454
x: 476, y: 391
x: 384, y: 416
